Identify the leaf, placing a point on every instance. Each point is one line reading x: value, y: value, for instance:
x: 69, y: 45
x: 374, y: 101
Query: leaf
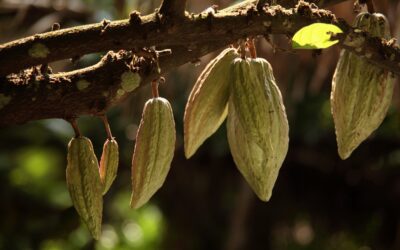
x: 315, y: 36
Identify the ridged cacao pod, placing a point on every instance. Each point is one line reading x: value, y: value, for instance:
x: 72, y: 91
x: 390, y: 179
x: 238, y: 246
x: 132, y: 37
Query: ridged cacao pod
x: 109, y: 164
x: 154, y: 150
x: 361, y: 92
x: 83, y: 182
x: 258, y: 130
x: 207, y: 104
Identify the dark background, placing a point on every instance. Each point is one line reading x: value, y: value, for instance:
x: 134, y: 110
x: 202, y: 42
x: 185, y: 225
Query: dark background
x: 319, y: 201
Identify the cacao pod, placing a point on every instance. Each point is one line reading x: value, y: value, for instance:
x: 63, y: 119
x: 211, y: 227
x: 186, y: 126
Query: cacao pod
x: 361, y: 92
x: 154, y: 150
x: 109, y: 164
x: 258, y: 130
x: 206, y: 107
x: 83, y: 182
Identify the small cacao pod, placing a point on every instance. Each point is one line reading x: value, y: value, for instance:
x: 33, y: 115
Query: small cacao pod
x: 258, y: 130
x: 83, y: 182
x: 207, y: 104
x: 361, y: 92
x: 109, y: 164
x: 154, y: 150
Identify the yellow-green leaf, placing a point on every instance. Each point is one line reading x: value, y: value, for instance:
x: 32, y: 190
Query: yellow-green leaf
x: 315, y: 36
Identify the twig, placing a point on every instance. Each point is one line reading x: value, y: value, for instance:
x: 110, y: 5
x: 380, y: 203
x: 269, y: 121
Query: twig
x: 154, y: 88
x: 242, y: 49
x: 252, y: 48
x: 74, y: 125
x: 106, y: 126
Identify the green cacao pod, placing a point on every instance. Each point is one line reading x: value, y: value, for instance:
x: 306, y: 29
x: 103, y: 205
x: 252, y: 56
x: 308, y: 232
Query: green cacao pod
x: 361, y: 92
x: 154, y: 150
x: 258, y: 130
x: 109, y: 164
x: 83, y: 181
x: 207, y: 105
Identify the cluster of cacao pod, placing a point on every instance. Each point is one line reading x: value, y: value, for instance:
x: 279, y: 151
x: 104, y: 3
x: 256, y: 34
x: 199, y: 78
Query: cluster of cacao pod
x: 87, y: 181
x: 244, y: 90
x: 361, y: 92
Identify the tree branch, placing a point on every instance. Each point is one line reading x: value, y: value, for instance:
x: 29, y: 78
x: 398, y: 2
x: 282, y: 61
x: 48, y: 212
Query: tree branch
x: 151, y: 30
x: 59, y: 96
